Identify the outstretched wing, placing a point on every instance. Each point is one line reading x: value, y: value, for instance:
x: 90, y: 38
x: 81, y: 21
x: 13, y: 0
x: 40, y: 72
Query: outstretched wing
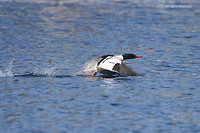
x: 123, y: 69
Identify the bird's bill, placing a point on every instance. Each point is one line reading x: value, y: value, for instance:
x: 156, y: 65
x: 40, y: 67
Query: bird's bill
x: 138, y: 56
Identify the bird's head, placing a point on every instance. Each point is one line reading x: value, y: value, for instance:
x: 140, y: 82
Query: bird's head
x: 130, y: 56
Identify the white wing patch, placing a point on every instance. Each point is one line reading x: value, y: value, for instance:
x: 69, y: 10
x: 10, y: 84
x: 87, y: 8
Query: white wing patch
x: 109, y: 62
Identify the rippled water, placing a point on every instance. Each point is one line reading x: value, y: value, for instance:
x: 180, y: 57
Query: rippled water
x: 43, y: 44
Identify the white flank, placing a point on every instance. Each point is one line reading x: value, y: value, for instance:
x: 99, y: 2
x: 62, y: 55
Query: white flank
x: 110, y: 62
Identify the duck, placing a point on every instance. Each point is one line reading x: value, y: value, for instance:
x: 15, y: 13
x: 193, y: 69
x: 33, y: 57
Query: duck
x: 109, y: 66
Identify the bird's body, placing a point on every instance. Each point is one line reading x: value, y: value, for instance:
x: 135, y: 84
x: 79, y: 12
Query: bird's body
x: 109, y: 65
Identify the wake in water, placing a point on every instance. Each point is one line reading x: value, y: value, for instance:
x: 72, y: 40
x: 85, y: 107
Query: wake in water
x: 45, y: 72
x: 37, y: 72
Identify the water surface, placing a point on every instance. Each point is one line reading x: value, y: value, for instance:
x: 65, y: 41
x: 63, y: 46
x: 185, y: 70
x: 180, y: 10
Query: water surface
x: 43, y: 44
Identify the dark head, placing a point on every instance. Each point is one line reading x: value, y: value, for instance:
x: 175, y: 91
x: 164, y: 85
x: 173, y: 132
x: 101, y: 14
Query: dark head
x: 130, y: 56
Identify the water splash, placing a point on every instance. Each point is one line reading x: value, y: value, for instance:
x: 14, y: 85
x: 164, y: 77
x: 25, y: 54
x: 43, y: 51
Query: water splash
x: 37, y: 72
x: 44, y: 71
x: 8, y: 71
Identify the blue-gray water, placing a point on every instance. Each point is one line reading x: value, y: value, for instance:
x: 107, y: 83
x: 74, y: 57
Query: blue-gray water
x: 43, y: 44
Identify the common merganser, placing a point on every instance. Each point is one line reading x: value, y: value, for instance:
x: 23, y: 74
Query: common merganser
x: 110, y: 65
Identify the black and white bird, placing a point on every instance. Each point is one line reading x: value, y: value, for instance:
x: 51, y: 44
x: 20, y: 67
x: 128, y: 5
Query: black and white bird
x: 109, y: 65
